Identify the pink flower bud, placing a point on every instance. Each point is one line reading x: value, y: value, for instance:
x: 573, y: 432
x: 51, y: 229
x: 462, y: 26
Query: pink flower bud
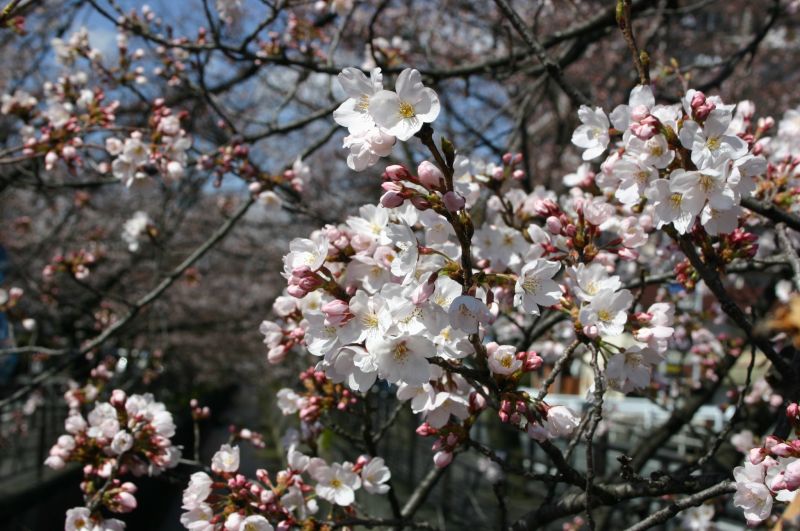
x: 125, y: 502
x: 792, y: 475
x: 50, y: 159
x: 646, y: 129
x: 336, y: 312
x: 477, y: 402
x: 69, y: 152
x: 782, y: 450
x: 453, y: 201
x: 442, y: 458
x: 424, y: 290
x: 553, y: 225
x: 54, y: 462
x: 756, y: 455
x: 430, y: 176
x: 396, y: 172
x: 533, y: 362
x: 420, y: 203
x: 392, y: 200
x: 518, y: 175
x: 766, y: 123
x: 698, y: 99
x: 118, y: 398
x: 702, y: 112
x: 507, y: 158
x: 425, y: 430
x: 590, y: 331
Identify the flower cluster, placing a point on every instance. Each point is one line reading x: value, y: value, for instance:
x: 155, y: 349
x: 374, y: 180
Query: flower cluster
x: 321, y: 395
x: 76, y: 263
x: 126, y: 434
x: 770, y: 472
x: 376, y: 117
x: 163, y: 153
x: 56, y: 130
x: 689, y: 160
x: 289, y: 499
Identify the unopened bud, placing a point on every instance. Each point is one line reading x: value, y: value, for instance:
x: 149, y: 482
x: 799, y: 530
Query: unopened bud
x: 453, y: 201
x: 442, y: 458
x: 430, y: 176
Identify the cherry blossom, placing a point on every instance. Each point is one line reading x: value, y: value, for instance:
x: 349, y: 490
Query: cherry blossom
x: 592, y: 134
x: 403, y: 112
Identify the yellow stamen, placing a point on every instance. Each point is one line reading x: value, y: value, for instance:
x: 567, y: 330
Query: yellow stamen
x: 370, y: 321
x: 400, y: 351
x: 707, y: 182
x: 713, y: 143
x: 531, y: 284
x: 406, y: 110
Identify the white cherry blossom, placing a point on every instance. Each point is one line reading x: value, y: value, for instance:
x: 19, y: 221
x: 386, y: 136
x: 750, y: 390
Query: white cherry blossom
x: 226, y: 459
x: 592, y: 134
x: 337, y: 484
x: 375, y: 475
x: 403, y: 112
x: 607, y: 311
x: 710, y: 144
x: 535, y: 286
x: 353, y: 113
x: 404, y: 358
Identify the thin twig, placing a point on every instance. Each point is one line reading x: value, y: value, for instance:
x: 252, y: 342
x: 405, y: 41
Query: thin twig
x: 553, y: 69
x: 143, y: 302
x: 690, y: 501
x: 557, y: 368
x: 640, y: 58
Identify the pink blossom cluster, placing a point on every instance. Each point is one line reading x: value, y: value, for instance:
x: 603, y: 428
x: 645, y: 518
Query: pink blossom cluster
x: 124, y: 435
x: 691, y: 161
x: 770, y: 472
x: 289, y: 499
x: 163, y: 152
x: 56, y: 129
x: 75, y: 263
